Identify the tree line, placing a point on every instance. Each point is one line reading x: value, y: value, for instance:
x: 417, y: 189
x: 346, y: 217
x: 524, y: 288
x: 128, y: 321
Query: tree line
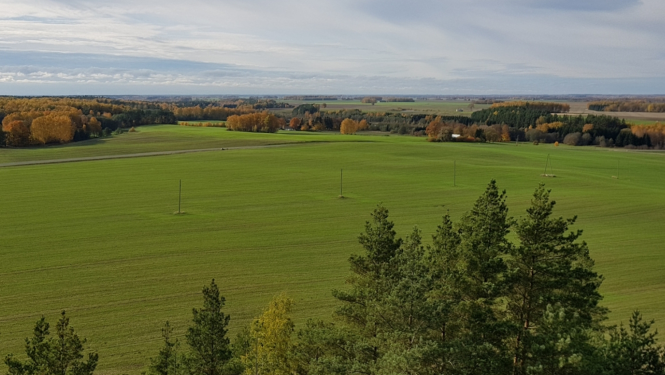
x: 471, y: 302
x: 44, y: 120
x: 626, y: 106
x: 264, y: 122
x: 542, y: 106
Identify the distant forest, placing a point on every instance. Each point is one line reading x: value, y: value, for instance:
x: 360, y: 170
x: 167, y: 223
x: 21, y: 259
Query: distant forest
x: 627, y: 106
x: 48, y: 120
x: 44, y: 120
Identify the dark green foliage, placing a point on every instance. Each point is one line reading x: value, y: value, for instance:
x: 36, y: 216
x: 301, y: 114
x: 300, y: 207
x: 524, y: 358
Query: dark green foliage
x: 550, y: 275
x: 475, y: 303
x: 483, y: 234
x: 209, y: 347
x: 519, y: 117
x: 634, y: 350
x: 303, y: 108
x: 144, y: 117
x: 169, y: 360
x: 47, y: 355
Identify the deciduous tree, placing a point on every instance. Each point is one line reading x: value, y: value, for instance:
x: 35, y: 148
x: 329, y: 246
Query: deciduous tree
x: 271, y: 340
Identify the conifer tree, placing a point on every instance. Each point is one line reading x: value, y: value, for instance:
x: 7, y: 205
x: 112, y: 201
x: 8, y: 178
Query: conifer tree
x: 60, y: 355
x: 548, y: 268
x: 209, y: 346
x: 373, y: 276
x: 478, y: 343
x: 169, y: 361
x: 634, y: 350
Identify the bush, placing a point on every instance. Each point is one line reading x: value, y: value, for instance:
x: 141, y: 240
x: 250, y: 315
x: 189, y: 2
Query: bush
x: 572, y: 139
x: 534, y: 135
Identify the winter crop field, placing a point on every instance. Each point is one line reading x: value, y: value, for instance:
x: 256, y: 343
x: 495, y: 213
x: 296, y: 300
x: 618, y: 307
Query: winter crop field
x: 100, y: 238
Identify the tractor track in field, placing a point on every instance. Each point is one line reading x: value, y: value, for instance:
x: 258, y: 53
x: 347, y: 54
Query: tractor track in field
x: 143, y: 154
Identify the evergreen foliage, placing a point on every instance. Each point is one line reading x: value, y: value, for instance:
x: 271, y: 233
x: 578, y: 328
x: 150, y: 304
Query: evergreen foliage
x: 209, y: 347
x: 169, y: 360
x: 61, y: 354
x: 470, y: 303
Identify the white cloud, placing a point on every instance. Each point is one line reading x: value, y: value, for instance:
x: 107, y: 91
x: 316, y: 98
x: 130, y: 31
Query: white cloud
x: 264, y: 44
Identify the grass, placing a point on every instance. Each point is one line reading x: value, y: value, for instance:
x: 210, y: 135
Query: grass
x: 433, y: 107
x: 100, y: 239
x: 644, y: 122
x: 154, y: 139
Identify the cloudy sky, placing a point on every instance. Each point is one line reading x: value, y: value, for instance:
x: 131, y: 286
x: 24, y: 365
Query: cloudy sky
x: 332, y: 47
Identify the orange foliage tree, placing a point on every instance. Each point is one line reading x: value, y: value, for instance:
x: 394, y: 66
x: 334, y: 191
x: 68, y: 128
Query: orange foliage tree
x: 264, y: 122
x: 18, y: 134
x: 295, y: 123
x: 53, y: 128
x: 348, y: 126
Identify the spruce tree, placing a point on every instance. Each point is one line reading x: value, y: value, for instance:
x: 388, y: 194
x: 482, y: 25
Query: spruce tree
x: 209, y: 346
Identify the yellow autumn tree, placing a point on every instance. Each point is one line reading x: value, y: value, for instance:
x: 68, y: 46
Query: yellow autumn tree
x: 270, y: 337
x: 94, y: 126
x: 52, y: 128
x: 18, y: 134
x: 348, y: 126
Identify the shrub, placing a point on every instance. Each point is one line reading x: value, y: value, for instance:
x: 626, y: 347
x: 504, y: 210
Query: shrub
x: 534, y: 135
x: 572, y: 139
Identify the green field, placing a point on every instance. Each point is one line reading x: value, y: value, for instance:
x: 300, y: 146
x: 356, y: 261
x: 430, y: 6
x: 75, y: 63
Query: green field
x: 433, y: 107
x: 100, y: 239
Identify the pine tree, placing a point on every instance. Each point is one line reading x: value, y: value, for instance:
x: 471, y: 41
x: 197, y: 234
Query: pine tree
x: 634, y: 350
x: 483, y: 243
x: 549, y: 268
x: 210, y: 348
x: 60, y: 355
x: 38, y: 350
x: 478, y: 285
x: 169, y: 361
x: 373, y: 277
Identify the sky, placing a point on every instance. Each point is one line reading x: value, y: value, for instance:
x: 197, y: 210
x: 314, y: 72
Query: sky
x: 355, y: 47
